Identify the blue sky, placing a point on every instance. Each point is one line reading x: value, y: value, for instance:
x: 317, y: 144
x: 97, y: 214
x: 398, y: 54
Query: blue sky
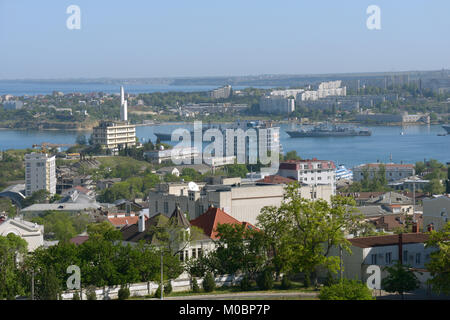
x: 146, y: 38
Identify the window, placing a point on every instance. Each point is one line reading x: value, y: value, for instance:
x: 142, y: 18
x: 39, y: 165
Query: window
x: 199, y: 252
x: 405, y: 256
x: 374, y: 258
x: 182, y: 256
x: 388, y: 257
x: 194, y: 253
x: 417, y: 258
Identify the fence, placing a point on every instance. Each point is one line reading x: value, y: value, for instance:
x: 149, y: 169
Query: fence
x: 181, y: 284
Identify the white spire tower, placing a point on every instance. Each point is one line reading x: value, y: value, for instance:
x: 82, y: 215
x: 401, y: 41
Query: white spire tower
x: 123, y: 106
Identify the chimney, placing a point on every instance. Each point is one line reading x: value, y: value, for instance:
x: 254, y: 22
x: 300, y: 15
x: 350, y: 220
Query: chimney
x: 141, y: 223
x: 415, y: 227
x: 400, y: 248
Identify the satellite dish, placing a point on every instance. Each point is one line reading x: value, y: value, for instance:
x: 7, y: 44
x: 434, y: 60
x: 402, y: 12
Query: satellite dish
x: 193, y: 186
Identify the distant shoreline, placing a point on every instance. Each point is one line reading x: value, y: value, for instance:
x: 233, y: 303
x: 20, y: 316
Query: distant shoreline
x: 165, y: 123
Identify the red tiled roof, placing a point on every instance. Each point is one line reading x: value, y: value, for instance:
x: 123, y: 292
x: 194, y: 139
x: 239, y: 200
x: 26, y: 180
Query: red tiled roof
x: 209, y: 221
x: 390, y: 222
x: 82, y: 189
x: 388, y: 240
x: 276, y: 179
x: 79, y: 239
x: 122, y: 221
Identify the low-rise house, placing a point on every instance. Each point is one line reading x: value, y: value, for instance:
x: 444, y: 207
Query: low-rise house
x: 107, y: 183
x: 436, y: 212
x: 383, y: 251
x: 410, y: 184
x: 32, y: 233
x: 393, y: 171
x: 393, y: 202
x: 121, y: 219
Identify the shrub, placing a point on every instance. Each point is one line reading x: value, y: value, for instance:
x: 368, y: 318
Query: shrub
x: 124, y: 293
x: 346, y: 290
x: 76, y: 296
x: 286, y: 283
x: 90, y: 293
x: 158, y: 292
x: 245, y: 283
x: 265, y: 280
x: 168, y: 288
x: 209, y: 284
x: 195, y: 287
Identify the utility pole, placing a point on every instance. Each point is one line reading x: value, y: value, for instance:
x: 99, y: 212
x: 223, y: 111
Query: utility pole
x: 340, y: 262
x: 162, y: 287
x: 32, y: 285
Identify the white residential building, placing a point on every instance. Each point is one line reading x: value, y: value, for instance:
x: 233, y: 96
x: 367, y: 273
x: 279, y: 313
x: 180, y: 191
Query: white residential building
x: 384, y: 251
x: 394, y: 171
x: 113, y: 135
x: 311, y: 172
x: 40, y: 173
x: 276, y: 104
x: 242, y: 201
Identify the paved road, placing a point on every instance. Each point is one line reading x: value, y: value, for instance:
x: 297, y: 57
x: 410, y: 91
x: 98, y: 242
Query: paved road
x: 247, y: 296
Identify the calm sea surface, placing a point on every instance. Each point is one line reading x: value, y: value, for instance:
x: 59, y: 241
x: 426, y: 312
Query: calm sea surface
x: 416, y: 144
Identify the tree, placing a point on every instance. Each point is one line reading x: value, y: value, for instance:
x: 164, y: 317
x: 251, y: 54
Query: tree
x: 10, y: 247
x: 40, y: 196
x: 292, y: 155
x: 48, y: 286
x: 439, y: 264
x: 239, y: 249
x: 195, y: 287
x: 346, y: 290
x: 57, y: 225
x: 81, y: 139
x: 265, y: 280
x: 104, y: 231
x: 310, y: 229
x: 209, y: 283
x: 434, y: 187
x: 236, y: 170
x: 401, y: 279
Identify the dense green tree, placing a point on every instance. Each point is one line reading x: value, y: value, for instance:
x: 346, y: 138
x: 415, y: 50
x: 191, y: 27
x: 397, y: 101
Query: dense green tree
x: 292, y: 155
x: 239, y: 249
x: 104, y: 231
x: 236, y: 170
x: 311, y: 229
x: 346, y: 290
x: 439, y: 264
x: 434, y: 187
x: 400, y: 279
x: 11, y: 247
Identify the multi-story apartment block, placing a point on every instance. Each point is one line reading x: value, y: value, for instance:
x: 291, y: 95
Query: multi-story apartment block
x: 310, y: 172
x: 40, y: 173
x: 112, y: 135
x: 393, y: 171
x: 13, y: 105
x: 221, y: 93
x: 276, y: 104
